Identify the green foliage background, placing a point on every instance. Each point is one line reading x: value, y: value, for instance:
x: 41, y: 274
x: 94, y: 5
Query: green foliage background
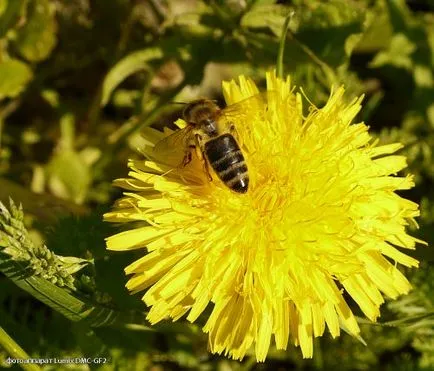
x: 80, y: 79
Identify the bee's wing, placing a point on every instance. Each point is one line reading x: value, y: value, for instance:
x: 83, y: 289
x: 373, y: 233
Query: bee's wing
x: 239, y: 112
x: 171, y: 150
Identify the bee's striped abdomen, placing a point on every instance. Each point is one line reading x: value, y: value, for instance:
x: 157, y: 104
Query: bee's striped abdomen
x: 225, y: 157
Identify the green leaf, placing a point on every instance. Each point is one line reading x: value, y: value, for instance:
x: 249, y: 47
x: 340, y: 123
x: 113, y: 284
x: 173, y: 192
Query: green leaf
x: 14, y: 76
x: 69, y: 175
x: 266, y: 16
x: 351, y: 42
x: 37, y: 38
x: 70, y: 304
x: 67, y: 131
x: 132, y: 63
x: 377, y: 30
x: 423, y: 76
x: 334, y: 13
x: 398, y: 54
x: 59, y: 299
x: 68, y: 171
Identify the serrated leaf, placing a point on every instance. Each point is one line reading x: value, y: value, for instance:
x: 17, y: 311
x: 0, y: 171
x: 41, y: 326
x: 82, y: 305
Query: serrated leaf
x: 398, y: 54
x: 37, y: 38
x: 14, y: 76
x: 132, y: 63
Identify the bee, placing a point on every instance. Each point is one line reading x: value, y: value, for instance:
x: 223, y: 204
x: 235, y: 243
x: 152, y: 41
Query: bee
x: 211, y: 132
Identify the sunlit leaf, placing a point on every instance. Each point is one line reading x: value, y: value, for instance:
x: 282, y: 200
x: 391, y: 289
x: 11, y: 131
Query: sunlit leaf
x: 14, y: 76
x: 423, y: 76
x: 398, y: 54
x: 60, y: 299
x: 266, y: 16
x: 69, y: 175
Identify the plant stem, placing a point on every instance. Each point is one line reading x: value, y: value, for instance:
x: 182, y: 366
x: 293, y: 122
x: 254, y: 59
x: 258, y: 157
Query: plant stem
x: 279, y: 64
x: 15, y: 351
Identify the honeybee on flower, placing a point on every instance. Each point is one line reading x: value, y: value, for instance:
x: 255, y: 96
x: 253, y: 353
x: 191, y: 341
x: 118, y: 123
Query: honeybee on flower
x: 211, y: 134
x: 319, y: 218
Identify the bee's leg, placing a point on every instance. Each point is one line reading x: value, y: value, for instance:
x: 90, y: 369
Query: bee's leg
x: 206, y: 168
x: 189, y: 148
x: 188, y: 155
x: 201, y: 157
x: 233, y: 130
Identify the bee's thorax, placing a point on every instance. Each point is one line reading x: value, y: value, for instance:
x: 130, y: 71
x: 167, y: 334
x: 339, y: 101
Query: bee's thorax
x: 201, y: 110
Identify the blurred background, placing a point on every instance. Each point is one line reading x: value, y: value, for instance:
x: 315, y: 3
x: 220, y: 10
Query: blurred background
x: 80, y: 79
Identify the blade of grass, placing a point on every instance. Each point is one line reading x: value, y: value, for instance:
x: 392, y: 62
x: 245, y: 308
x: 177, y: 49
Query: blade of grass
x: 279, y: 64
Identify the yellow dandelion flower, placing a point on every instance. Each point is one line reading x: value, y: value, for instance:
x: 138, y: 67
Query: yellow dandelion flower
x: 320, y: 218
